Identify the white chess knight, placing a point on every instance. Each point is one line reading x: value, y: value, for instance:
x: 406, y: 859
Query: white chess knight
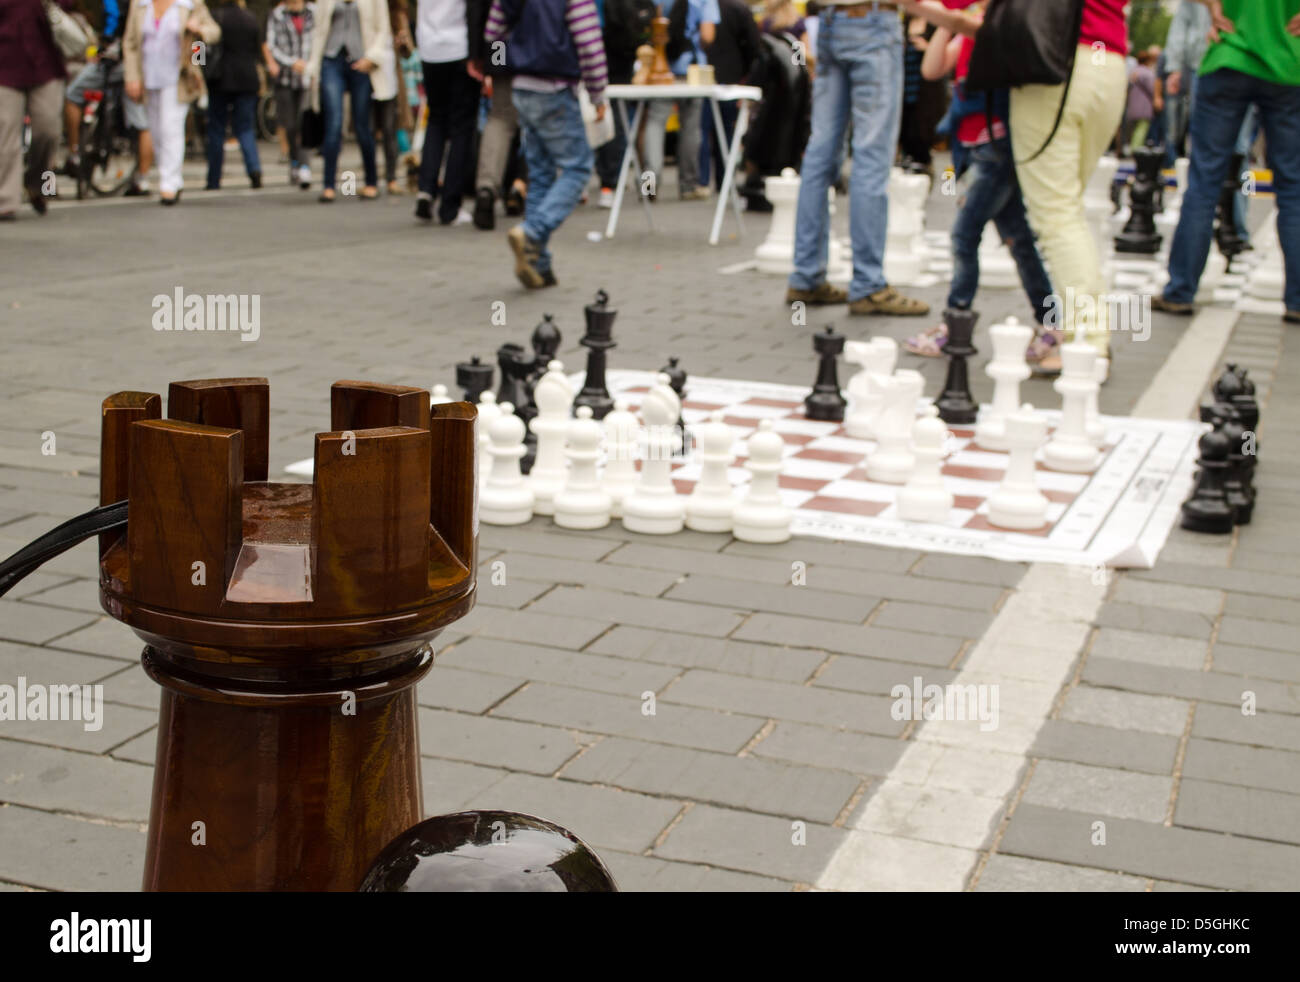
x: 905, y: 252
x: 582, y: 503
x: 1070, y: 449
x: 653, y: 507
x: 775, y: 254
x: 1093, y: 425
x: 924, y: 498
x: 760, y: 516
x: 875, y: 358
x: 553, y: 395
x: 1007, y: 369
x: 622, y: 443
x: 892, y: 460
x: 506, y: 498
x: 711, y: 503
x: 1017, y: 503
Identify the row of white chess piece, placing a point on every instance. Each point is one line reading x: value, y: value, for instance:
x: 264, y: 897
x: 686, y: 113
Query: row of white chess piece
x: 568, y: 482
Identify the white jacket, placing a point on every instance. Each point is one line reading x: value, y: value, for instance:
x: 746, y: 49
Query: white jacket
x: 376, y: 35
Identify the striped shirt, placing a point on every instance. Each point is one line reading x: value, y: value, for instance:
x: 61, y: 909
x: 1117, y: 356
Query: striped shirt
x: 584, y: 26
x: 287, y: 44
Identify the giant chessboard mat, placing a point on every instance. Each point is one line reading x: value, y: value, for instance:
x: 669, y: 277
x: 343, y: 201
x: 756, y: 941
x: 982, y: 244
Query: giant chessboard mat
x: 1118, y: 516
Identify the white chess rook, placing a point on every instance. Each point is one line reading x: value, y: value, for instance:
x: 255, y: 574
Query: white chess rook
x: 1092, y: 423
x: 553, y: 395
x: 622, y: 440
x: 653, y: 507
x: 875, y: 358
x: 1008, y: 369
x: 712, y: 502
x: 905, y: 252
x: 506, y: 498
x: 1017, y: 503
x: 582, y: 503
x: 892, y: 461
x: 924, y: 498
x: 1070, y: 449
x: 760, y: 516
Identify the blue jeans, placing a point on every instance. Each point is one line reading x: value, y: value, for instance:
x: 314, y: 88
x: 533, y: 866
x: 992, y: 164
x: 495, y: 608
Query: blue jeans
x: 244, y: 105
x: 336, y: 77
x: 1222, y: 98
x: 1245, y: 140
x: 859, y: 76
x: 993, y: 194
x: 559, y: 161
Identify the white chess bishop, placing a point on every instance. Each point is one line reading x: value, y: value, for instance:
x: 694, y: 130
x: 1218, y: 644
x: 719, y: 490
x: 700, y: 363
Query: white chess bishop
x: 1008, y: 369
x: 1070, y: 449
x: 760, y: 516
x: 1017, y: 503
x: 866, y: 396
x: 653, y: 507
x: 924, y: 498
x: 712, y: 502
x: 582, y: 503
x: 506, y: 498
x: 553, y: 395
x: 622, y: 449
x: 892, y: 460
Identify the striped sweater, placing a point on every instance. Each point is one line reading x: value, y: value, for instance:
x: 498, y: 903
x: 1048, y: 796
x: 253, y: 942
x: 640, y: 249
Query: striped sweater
x: 584, y: 26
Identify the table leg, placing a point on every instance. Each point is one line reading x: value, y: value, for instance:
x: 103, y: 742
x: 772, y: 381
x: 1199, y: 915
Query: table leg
x: 729, y: 172
x: 630, y: 158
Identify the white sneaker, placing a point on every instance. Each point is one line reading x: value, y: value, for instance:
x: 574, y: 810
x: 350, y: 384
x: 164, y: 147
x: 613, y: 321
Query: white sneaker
x: 464, y: 218
x: 606, y: 198
x: 304, y: 176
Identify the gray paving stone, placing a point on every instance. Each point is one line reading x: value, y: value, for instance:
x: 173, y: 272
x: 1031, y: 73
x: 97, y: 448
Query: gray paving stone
x: 1261, y: 560
x: 801, y: 601
x: 1104, y: 746
x: 494, y: 742
x: 1201, y: 551
x: 116, y: 724
x: 57, y: 852
x: 54, y: 779
x: 578, y: 572
x: 1262, y: 608
x: 1206, y: 859
x: 1125, y: 710
x: 142, y: 749
x: 514, y: 593
x: 877, y: 676
x: 454, y: 786
x: 534, y: 626
x: 926, y: 649
x: 51, y: 666
x: 599, y: 712
x: 466, y: 691
x: 641, y: 874
x: 642, y: 556
x: 1012, y: 874
x: 1170, y: 596
x: 754, y: 843
x: 31, y: 622
x: 783, y: 701
x: 863, y: 754
x: 1261, y: 663
x: 970, y: 569
x: 1211, y: 686
x: 37, y: 582
x: 1254, y: 633
x: 621, y: 608
x: 1101, y: 790
x: 620, y: 676
x: 773, y: 787
x: 814, y: 551
x: 104, y: 637
x: 1227, y: 723
x: 1237, y: 580
x: 1155, y: 620
x: 82, y: 595
x: 534, y: 538
x: 929, y: 619
x: 1252, y: 767
x: 722, y: 655
x: 1250, y: 812
x: 1151, y: 649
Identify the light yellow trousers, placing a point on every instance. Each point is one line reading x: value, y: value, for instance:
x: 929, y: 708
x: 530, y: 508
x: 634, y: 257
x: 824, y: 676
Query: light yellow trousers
x: 1053, y: 183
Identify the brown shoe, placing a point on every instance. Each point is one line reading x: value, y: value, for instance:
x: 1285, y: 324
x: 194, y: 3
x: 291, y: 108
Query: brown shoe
x: 525, y: 255
x: 1292, y: 317
x: 823, y: 293
x: 1172, y: 306
x: 887, y: 300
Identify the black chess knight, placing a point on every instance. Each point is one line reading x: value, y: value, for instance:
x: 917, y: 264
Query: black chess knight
x: 955, y: 402
x: 1139, y: 234
x: 677, y: 382
x: 546, y: 342
x: 474, y: 377
x: 598, y: 340
x: 517, y: 366
x: 825, y: 401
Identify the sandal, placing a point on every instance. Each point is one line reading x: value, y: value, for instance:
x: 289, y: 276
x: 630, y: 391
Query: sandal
x: 888, y: 300
x: 929, y: 343
x: 1042, y: 354
x: 369, y: 193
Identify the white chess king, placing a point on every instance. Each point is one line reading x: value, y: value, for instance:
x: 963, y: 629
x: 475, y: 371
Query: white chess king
x: 1008, y: 369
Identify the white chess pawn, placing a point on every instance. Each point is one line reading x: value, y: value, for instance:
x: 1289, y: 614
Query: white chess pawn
x: 582, y: 503
x: 553, y: 395
x: 621, y: 454
x: 439, y: 395
x: 506, y: 498
x: 488, y: 410
x: 876, y: 358
x: 653, y: 507
x: 924, y: 498
x: 892, y: 461
x: 1008, y: 369
x: 1070, y: 449
x: 1017, y: 503
x: 760, y: 515
x: 1092, y: 423
x: 712, y: 501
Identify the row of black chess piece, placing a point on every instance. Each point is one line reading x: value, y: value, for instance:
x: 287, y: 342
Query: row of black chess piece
x: 1224, y: 493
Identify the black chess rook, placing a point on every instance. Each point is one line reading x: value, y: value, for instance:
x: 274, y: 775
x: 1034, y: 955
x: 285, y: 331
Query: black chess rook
x: 825, y: 401
x: 474, y: 377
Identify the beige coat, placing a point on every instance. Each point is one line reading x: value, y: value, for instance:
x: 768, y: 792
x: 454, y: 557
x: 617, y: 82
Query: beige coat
x: 190, y: 84
x: 376, y: 35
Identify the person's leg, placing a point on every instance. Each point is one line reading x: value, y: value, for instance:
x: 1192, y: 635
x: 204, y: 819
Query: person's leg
x: 1013, y: 227
x: 360, y: 92
x: 556, y: 124
x: 286, y: 108
x: 1221, y: 101
x: 688, y: 144
x: 498, y: 135
x: 462, y: 118
x: 74, y: 103
x: 218, y: 110
x: 13, y: 104
x: 435, y: 128
x: 1280, y: 113
x: 1245, y: 142
x: 167, y: 123
x: 609, y: 157
x: 821, y: 159
x: 245, y: 123
x: 985, y: 195
x: 385, y: 123
x: 657, y: 112
x: 44, y: 105
x: 331, y: 103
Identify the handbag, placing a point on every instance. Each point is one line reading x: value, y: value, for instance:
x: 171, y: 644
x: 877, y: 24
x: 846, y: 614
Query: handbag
x: 1027, y: 42
x: 311, y: 131
x: 598, y: 132
x: 69, y: 36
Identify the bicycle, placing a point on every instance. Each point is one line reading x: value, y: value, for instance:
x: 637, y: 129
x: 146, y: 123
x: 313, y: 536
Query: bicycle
x: 108, y: 146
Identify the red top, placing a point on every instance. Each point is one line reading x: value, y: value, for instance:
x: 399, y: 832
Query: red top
x: 973, y: 128
x: 1103, y: 20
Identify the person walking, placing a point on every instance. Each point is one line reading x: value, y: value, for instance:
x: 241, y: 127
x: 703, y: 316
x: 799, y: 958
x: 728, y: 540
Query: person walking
x: 1185, y: 45
x: 347, y: 50
x: 859, y: 78
x: 626, y: 27
x: 693, y: 27
x: 550, y: 45
x: 32, y: 77
x: 735, y: 56
x: 451, y: 90
x: 162, y: 41
x: 288, y: 38
x: 1140, y: 105
x: 232, y: 93
x: 502, y: 125
x: 1253, y: 58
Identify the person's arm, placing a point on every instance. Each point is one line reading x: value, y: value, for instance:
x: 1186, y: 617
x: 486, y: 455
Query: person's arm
x: 381, y: 44
x: 584, y: 27
x: 1219, y: 21
x: 131, y: 67
x: 941, y: 56
x: 709, y: 18
x: 955, y: 20
x: 496, y: 23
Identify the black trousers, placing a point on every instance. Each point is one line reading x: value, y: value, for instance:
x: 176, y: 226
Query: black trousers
x: 453, y: 105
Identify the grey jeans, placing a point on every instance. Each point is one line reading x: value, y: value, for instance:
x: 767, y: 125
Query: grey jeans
x: 44, y: 104
x: 498, y: 135
x: 688, y: 140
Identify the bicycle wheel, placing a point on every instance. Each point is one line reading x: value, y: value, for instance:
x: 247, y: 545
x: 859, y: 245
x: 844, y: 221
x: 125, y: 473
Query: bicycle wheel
x: 111, y: 164
x: 268, y: 120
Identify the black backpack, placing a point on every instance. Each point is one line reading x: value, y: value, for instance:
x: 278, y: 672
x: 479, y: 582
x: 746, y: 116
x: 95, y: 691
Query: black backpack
x: 627, y: 23
x: 678, y: 43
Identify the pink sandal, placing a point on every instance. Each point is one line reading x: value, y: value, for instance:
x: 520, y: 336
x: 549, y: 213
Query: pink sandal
x: 929, y: 343
x: 1042, y: 354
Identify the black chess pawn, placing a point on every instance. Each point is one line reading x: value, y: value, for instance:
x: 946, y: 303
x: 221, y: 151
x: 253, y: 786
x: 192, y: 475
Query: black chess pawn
x: 598, y: 341
x: 517, y: 366
x: 677, y: 382
x: 1207, y: 509
x: 825, y: 401
x: 1139, y: 234
x: 1244, y: 401
x: 1226, y: 387
x: 475, y: 377
x: 546, y: 343
x: 1239, y: 494
x: 955, y: 402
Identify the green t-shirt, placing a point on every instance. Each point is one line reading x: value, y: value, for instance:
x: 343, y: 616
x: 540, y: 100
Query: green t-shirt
x: 1261, y: 45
